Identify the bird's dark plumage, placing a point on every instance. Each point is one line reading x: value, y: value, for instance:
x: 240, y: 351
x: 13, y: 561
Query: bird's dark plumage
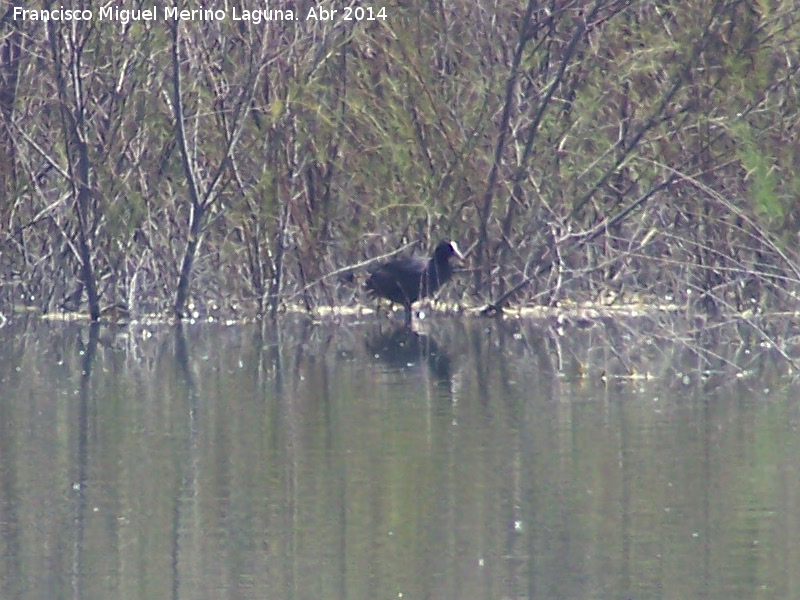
x: 406, y: 279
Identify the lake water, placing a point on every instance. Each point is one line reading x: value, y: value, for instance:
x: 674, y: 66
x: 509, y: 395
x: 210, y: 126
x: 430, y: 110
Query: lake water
x: 472, y: 459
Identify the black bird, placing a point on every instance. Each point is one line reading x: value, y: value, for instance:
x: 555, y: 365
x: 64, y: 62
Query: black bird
x: 407, y: 279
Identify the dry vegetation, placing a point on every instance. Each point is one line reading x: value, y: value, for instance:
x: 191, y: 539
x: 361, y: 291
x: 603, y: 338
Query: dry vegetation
x: 609, y: 150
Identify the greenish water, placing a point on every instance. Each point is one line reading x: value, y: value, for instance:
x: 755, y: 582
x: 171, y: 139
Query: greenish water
x: 473, y: 460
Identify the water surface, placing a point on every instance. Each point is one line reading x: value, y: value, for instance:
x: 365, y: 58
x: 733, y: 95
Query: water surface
x: 468, y: 460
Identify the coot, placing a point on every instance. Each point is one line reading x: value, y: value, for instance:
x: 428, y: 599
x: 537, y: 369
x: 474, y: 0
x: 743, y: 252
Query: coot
x: 407, y: 279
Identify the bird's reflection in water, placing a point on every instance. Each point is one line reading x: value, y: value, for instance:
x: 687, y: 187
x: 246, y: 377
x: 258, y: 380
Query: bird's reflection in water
x: 407, y: 349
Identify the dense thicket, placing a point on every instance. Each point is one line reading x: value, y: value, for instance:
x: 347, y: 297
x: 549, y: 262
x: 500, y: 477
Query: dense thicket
x: 577, y: 149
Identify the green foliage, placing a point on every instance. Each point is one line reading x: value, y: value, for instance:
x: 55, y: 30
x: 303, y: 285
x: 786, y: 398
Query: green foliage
x: 761, y: 174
